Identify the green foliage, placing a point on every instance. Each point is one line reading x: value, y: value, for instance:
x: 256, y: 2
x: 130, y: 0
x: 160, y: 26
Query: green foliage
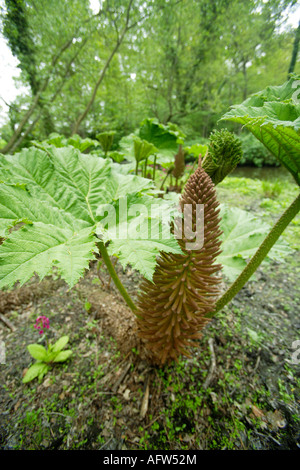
x: 16, y: 30
x: 59, y: 195
x: 196, y: 150
x: 81, y: 144
x: 255, y: 153
x: 117, y: 157
x: 165, y: 138
x: 63, y: 50
x: 160, y: 135
x: 61, y: 141
x: 45, y: 357
x: 273, y: 117
x: 154, y: 142
x: 242, y: 235
x: 142, y: 150
x: 271, y: 189
x: 68, y: 200
x: 138, y: 238
x: 106, y: 140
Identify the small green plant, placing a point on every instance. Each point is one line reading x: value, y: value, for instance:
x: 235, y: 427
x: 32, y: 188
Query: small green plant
x: 142, y: 150
x: 87, y: 306
x: 106, y: 140
x: 117, y: 157
x: 45, y: 356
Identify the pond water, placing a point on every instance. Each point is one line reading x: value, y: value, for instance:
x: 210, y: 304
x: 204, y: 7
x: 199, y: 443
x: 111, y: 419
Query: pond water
x: 265, y: 173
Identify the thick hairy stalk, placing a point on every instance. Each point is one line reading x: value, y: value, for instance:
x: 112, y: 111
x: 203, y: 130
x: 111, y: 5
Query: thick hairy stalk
x: 259, y: 256
x: 115, y: 277
x: 174, y: 308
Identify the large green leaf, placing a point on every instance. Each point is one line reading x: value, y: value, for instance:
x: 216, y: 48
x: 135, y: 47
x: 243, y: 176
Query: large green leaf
x: 16, y: 205
x: 273, y: 116
x: 242, y: 235
x: 62, y: 199
x: 160, y: 135
x: 142, y: 253
x: 56, y: 194
x: 62, y: 178
x: 139, y: 237
x: 126, y: 145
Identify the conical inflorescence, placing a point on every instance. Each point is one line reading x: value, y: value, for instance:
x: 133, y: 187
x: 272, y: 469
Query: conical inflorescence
x: 223, y: 155
x: 172, y: 309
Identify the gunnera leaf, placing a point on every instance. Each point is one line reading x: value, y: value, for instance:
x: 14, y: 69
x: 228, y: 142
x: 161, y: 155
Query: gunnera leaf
x: 179, y: 166
x: 52, y: 197
x: 273, y: 117
x: 172, y: 309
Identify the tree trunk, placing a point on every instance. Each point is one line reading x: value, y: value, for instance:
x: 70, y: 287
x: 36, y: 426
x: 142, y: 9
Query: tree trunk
x: 245, y: 88
x: 295, y: 51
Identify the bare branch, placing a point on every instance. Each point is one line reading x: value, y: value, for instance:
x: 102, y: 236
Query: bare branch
x: 103, y: 72
x: 52, y: 99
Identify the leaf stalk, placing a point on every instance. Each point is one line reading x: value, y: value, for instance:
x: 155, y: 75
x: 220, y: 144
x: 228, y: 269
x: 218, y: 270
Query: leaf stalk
x: 115, y: 277
x: 259, y: 256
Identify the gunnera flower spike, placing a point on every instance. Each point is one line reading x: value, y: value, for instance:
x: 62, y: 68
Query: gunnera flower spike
x: 172, y: 309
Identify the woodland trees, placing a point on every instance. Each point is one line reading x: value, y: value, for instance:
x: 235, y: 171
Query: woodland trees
x: 182, y: 61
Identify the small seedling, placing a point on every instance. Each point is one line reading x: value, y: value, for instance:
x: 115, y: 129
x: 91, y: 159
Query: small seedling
x: 45, y: 356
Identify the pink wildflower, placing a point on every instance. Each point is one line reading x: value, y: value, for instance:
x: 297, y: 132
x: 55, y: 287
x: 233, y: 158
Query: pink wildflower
x: 41, y: 323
